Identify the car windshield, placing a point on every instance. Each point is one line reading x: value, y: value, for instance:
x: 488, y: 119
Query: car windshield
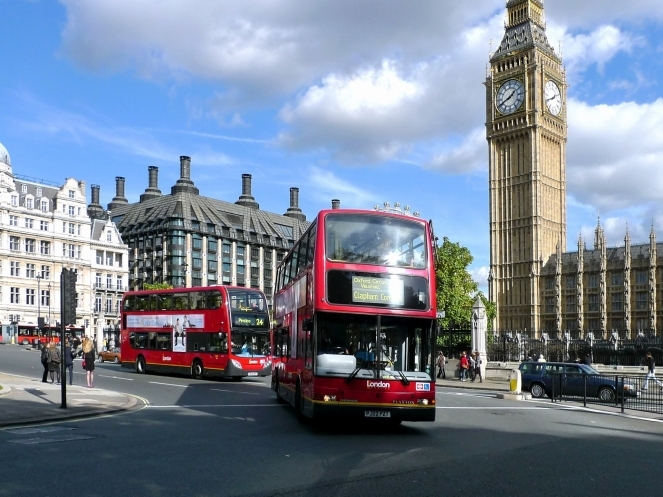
x: 590, y: 370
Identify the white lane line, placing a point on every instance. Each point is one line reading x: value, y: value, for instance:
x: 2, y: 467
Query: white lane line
x: 191, y: 406
x: 469, y: 408
x: 169, y: 384
x: 117, y: 378
x: 233, y: 391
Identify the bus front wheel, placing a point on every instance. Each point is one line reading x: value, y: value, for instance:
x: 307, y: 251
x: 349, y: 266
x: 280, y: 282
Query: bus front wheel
x: 279, y: 399
x: 197, y: 370
x: 140, y: 365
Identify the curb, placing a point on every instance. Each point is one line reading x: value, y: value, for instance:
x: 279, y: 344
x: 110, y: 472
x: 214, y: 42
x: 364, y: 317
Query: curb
x: 5, y: 391
x: 465, y: 387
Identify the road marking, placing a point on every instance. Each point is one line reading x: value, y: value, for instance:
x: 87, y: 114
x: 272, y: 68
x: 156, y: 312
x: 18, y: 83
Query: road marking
x: 117, y: 378
x: 232, y: 391
x: 168, y: 384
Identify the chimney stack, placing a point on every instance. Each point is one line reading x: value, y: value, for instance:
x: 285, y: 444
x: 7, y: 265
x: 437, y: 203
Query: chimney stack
x: 246, y: 199
x: 336, y: 204
x: 152, y: 191
x: 95, y: 210
x: 119, y: 198
x: 184, y: 184
x: 294, y: 211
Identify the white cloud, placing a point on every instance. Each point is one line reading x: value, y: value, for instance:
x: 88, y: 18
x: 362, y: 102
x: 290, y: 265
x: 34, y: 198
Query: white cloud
x: 325, y: 184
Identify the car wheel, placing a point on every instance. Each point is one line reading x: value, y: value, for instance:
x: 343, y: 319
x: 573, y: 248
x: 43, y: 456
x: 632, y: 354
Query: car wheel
x: 116, y: 360
x: 537, y: 390
x: 197, y: 370
x: 140, y: 365
x: 607, y: 394
x: 101, y: 359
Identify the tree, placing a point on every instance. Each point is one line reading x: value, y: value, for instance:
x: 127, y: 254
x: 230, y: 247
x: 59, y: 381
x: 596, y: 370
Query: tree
x: 157, y: 286
x: 456, y: 290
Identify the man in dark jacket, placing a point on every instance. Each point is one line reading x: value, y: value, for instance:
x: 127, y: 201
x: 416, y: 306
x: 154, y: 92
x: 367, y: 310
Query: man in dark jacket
x: 44, y: 362
x: 587, y: 360
x: 651, y: 372
x: 69, y: 361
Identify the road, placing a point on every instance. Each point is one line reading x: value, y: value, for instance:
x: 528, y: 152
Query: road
x: 216, y: 438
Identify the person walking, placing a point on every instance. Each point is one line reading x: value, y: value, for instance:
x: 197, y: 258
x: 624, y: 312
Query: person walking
x: 477, y: 367
x: 470, y: 369
x: 89, y: 357
x: 587, y: 360
x: 69, y: 361
x: 441, y: 360
x: 651, y: 372
x: 463, y: 365
x: 54, y: 360
x: 44, y: 362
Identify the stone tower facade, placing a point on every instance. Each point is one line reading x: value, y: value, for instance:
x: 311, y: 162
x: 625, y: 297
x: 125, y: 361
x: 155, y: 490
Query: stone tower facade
x: 526, y: 130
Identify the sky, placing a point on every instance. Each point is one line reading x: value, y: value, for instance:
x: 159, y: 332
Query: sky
x: 365, y: 101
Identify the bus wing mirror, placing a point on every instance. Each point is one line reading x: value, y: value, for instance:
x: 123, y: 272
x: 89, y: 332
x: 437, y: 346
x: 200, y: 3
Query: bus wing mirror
x: 307, y: 324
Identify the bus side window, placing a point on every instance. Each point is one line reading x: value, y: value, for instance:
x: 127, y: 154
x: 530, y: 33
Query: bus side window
x: 166, y: 302
x: 129, y: 303
x: 199, y: 300
x: 213, y: 299
x: 181, y: 301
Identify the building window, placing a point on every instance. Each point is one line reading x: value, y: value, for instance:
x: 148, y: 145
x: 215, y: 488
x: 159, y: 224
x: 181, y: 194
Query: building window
x: 46, y: 272
x: 617, y: 301
x: 29, y: 203
x: 78, y: 229
x: 97, y: 304
x: 109, y: 306
x: 15, y: 268
x: 570, y: 303
x: 593, y: 301
x: 72, y: 228
x: 211, y: 245
x: 14, y: 200
x: 14, y: 243
x: 641, y: 277
x: 255, y: 253
x: 109, y: 258
x: 641, y: 300
x: 109, y: 281
x: 593, y: 324
x: 29, y: 222
x: 550, y: 304
x: 571, y: 324
x: 14, y: 297
x: 109, y: 236
x: 64, y: 227
x: 79, y: 251
x: 30, y: 296
x: 97, y: 280
x: 30, y: 244
x: 13, y: 220
x: 72, y: 210
x: 43, y: 225
x: 72, y: 251
x: 72, y: 194
x: 617, y: 279
x: 593, y: 281
x: 44, y: 205
x: 550, y: 283
x: 226, y: 248
x: 45, y: 247
x: 254, y: 272
x: 211, y: 265
x: 39, y: 191
x: 641, y: 324
x: 45, y: 298
x: 197, y: 242
x: 29, y: 270
x: 119, y: 283
x: 24, y: 188
x: 570, y: 281
x: 240, y: 251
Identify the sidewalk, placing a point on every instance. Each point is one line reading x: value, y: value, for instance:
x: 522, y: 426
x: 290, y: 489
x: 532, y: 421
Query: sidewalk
x: 26, y: 401
x: 492, y: 384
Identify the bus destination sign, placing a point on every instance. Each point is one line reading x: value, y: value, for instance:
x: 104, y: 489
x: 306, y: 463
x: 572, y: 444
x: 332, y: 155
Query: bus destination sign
x: 368, y: 290
x: 250, y: 321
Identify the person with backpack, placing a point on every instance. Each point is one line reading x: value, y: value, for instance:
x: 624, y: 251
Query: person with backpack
x: 44, y: 362
x: 54, y: 360
x: 464, y: 365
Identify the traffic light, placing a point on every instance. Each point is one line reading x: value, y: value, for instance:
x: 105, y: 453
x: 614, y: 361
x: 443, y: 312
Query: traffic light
x: 68, y: 288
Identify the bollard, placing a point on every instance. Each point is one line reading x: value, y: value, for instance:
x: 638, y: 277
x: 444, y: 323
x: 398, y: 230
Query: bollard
x: 515, y: 381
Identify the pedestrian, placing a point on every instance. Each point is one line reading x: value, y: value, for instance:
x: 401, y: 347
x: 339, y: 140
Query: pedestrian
x: 587, y: 360
x: 44, y: 362
x: 441, y: 360
x: 54, y: 360
x: 477, y: 367
x: 88, y: 361
x: 470, y: 369
x: 69, y: 361
x: 651, y: 372
x: 463, y: 366
x: 541, y: 358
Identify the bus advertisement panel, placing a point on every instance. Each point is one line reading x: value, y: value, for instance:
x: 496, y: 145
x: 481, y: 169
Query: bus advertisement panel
x: 211, y: 331
x: 355, y: 318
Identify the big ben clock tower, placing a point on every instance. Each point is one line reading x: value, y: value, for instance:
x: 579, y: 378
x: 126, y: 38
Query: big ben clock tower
x: 526, y: 132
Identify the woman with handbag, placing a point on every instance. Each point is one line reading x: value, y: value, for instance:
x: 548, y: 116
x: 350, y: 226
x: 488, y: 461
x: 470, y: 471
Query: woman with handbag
x: 88, y: 361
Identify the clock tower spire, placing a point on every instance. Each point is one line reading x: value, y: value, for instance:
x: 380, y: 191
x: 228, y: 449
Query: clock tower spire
x: 526, y: 131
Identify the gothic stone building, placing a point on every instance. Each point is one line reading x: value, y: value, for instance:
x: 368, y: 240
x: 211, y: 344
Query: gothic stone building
x: 537, y: 287
x: 185, y: 239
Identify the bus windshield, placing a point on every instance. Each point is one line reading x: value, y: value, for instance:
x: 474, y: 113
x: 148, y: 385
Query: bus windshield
x: 399, y: 347
x: 250, y: 344
x: 382, y: 240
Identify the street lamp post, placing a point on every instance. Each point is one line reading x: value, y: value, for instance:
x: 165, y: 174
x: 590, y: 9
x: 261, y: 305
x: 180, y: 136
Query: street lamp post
x: 49, y: 305
x: 39, y: 324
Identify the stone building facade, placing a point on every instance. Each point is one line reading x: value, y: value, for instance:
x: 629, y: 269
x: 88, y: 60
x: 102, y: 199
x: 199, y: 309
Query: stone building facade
x: 45, y: 227
x: 186, y: 239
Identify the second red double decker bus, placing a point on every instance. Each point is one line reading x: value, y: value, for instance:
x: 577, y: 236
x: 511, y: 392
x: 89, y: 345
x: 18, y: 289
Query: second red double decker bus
x: 210, y: 331
x: 355, y: 318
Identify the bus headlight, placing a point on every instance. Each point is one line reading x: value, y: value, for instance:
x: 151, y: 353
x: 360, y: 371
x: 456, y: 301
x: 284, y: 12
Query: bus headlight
x: 236, y: 363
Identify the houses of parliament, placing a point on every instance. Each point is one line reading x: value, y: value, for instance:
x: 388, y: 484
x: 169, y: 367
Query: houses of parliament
x: 538, y: 286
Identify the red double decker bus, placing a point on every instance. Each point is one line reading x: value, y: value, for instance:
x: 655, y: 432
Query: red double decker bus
x: 206, y: 331
x: 355, y: 318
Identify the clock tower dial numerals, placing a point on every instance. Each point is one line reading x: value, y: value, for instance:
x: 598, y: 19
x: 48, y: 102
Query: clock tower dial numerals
x: 553, y: 98
x: 510, y: 96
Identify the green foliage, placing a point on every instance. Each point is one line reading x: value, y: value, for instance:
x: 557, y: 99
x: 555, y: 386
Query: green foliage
x: 157, y: 286
x: 456, y: 291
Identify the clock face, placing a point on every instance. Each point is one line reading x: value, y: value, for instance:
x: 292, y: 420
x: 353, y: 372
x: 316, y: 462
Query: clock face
x: 510, y: 96
x: 553, y: 98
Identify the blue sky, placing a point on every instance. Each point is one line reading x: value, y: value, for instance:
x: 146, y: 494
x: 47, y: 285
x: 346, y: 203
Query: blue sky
x: 366, y: 101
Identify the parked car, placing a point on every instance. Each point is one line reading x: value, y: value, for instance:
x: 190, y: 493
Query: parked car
x: 573, y: 379
x: 110, y: 355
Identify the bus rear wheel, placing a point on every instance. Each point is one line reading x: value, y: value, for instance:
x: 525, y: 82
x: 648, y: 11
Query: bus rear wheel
x: 197, y: 370
x: 279, y: 399
x: 140, y: 365
x: 299, y: 404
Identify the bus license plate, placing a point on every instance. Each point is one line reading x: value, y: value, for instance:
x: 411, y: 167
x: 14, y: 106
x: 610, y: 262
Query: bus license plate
x: 377, y: 414
x: 253, y: 373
